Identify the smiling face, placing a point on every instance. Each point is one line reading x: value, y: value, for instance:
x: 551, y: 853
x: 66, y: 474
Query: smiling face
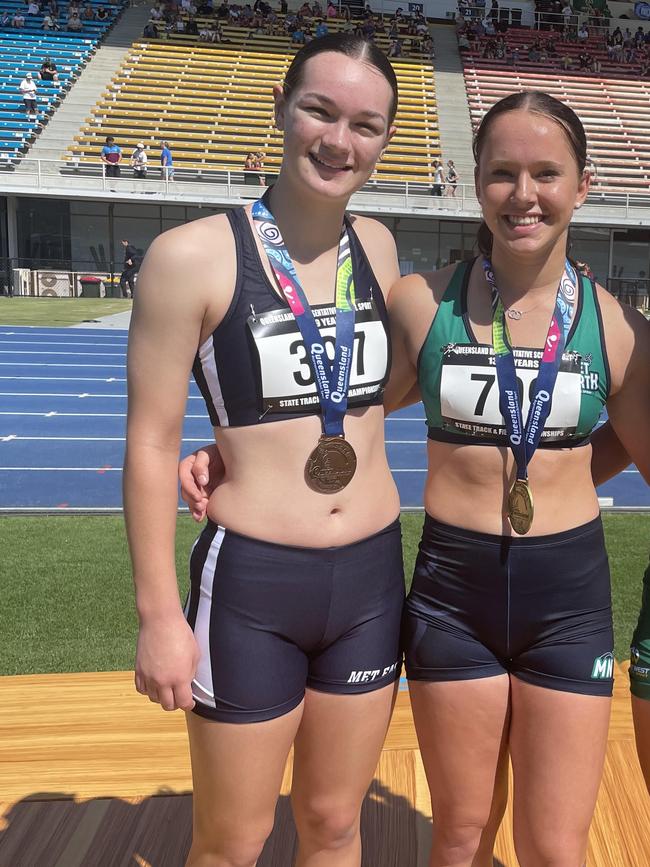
x: 528, y: 183
x: 336, y: 123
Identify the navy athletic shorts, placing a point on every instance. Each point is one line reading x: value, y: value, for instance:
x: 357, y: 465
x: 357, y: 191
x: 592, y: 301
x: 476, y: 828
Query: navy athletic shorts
x: 538, y: 608
x: 271, y: 620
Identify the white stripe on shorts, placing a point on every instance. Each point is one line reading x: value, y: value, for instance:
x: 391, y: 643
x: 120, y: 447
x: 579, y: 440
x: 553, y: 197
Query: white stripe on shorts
x: 202, y: 685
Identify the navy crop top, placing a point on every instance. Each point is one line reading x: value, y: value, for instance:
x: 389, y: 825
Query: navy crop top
x: 253, y: 368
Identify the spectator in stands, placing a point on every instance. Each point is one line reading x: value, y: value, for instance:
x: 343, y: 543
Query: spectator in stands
x: 150, y: 31
x: 33, y: 8
x: 489, y: 49
x: 428, y: 47
x: 451, y: 179
x: 18, y: 20
x: 74, y: 23
x: 205, y: 33
x: 49, y: 22
x: 88, y: 13
x: 583, y: 33
x: 102, y: 14
x: 48, y: 70
x: 179, y: 25
x: 298, y: 36
x: 5, y: 19
x: 534, y: 54
x: 28, y: 89
x: 438, y: 179
x: 596, y: 65
x: 157, y: 13
x: 166, y: 162
x: 258, y: 164
x: 567, y: 61
x: 139, y: 161
x: 191, y: 27
x: 494, y: 11
x: 332, y: 11
x: 321, y: 29
x: 111, y: 156
x: 131, y: 266
x: 463, y: 43
x: 395, y: 48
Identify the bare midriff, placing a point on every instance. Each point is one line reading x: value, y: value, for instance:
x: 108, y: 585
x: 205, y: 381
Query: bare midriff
x: 467, y: 486
x: 264, y: 493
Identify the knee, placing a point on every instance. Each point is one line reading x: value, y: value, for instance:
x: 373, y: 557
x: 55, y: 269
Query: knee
x: 327, y: 824
x: 222, y: 847
x: 555, y: 849
x: 457, y: 840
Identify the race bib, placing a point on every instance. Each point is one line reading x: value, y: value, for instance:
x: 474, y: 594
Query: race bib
x: 286, y: 381
x: 469, y: 392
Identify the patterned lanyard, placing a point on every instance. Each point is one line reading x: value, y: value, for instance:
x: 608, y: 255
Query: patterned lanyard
x: 332, y: 378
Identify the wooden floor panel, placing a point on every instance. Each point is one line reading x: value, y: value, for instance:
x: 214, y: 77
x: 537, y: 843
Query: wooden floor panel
x: 94, y: 775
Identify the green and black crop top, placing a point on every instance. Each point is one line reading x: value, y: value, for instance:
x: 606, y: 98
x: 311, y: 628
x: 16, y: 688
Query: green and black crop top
x: 457, y: 375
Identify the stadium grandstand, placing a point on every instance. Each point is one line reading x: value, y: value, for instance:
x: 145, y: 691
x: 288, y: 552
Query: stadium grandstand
x: 198, y: 75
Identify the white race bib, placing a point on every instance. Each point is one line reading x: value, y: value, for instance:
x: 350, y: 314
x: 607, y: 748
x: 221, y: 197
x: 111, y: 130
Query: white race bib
x: 286, y: 380
x: 469, y: 392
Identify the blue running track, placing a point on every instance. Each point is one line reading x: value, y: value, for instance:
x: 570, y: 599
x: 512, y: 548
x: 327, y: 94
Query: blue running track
x: 63, y: 414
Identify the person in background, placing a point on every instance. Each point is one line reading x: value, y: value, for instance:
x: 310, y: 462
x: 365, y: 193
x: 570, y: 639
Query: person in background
x: 139, y: 161
x: 111, y: 156
x: 131, y: 265
x: 167, y: 162
x: 452, y: 179
x: 48, y: 71
x: 28, y: 88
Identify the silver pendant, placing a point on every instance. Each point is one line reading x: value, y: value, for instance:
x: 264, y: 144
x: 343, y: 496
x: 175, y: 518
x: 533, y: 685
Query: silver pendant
x: 513, y: 313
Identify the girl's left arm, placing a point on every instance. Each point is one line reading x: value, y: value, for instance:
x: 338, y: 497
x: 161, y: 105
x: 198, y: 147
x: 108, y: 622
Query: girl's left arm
x: 628, y: 342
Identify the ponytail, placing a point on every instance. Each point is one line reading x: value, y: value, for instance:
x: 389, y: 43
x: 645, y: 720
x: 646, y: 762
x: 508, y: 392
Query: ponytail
x: 484, y: 239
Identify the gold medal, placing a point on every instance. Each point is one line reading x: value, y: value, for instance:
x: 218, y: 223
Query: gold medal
x: 331, y: 465
x: 520, y: 507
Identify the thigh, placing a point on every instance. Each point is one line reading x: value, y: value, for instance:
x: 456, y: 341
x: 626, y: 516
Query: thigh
x: 237, y: 773
x: 557, y: 747
x: 461, y: 727
x: 360, y: 649
x: 250, y: 625
x: 641, y: 716
x: 337, y: 749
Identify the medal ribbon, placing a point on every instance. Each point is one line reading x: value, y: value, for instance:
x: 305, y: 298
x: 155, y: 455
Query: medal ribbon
x: 524, y: 440
x: 332, y: 378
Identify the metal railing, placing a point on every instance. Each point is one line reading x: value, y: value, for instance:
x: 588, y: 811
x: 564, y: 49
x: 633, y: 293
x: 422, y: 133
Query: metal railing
x: 225, y: 186
x: 525, y: 16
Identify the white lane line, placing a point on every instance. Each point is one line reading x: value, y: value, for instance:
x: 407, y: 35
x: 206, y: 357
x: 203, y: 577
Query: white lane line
x: 63, y: 439
x: 68, y: 394
x: 49, y: 354
x: 58, y: 364
x: 60, y: 469
x: 60, y: 343
x: 390, y: 418
x: 84, y: 414
x: 66, y: 378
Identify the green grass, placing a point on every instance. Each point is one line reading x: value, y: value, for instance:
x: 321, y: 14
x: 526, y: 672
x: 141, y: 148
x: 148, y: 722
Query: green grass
x: 57, y: 311
x: 66, y: 601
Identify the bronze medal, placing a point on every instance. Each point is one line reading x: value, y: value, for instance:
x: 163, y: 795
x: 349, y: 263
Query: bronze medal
x: 520, y: 507
x: 331, y: 465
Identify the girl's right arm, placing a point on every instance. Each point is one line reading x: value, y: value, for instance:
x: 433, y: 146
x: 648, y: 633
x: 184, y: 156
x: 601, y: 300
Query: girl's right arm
x: 165, y: 332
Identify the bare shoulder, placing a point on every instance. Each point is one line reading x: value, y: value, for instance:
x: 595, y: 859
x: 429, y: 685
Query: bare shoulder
x: 413, y: 304
x: 200, y: 243
x: 421, y: 288
x: 190, y: 268
x: 627, y: 337
x: 370, y: 230
x: 379, y: 246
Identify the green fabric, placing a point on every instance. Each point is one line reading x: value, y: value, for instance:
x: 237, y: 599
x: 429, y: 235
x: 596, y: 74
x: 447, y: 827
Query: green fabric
x: 640, y: 648
x: 448, y: 327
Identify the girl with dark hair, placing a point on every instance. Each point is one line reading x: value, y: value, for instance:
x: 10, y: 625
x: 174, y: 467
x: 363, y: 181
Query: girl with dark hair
x: 507, y: 627
x: 290, y: 633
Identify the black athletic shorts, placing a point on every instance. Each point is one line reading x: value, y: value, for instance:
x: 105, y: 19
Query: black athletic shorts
x: 538, y: 608
x: 273, y: 619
